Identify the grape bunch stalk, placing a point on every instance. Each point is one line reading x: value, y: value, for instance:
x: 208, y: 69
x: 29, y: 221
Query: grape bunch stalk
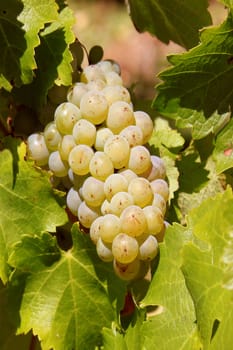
x: 96, y: 145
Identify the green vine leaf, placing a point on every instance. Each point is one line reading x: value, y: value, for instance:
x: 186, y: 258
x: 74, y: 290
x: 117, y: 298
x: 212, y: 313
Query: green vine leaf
x: 60, y: 300
x: 27, y: 202
x: 201, y: 78
x: 189, y: 281
x: 13, y: 43
x: 157, y: 17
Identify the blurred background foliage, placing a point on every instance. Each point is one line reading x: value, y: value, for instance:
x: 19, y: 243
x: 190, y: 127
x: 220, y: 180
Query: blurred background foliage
x: 141, y: 56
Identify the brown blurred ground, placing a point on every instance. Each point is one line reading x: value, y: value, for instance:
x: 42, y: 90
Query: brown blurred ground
x: 140, y: 55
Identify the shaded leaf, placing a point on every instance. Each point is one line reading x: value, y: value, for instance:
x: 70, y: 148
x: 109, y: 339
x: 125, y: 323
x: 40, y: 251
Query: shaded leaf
x: 176, y: 21
x: 200, y: 79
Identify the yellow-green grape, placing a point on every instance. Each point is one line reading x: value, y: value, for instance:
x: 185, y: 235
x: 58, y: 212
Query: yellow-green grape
x: 101, y: 165
x: 93, y: 191
x: 105, y: 207
x: 149, y: 248
x: 144, y: 121
x: 157, y: 169
x: 117, y: 149
x: 87, y: 214
x: 124, y: 248
x: 133, y: 221
x: 104, y: 251
x: 112, y: 78
x: 102, y: 134
x: 92, y: 72
x: 128, y: 174
x: 154, y: 218
x: 66, y: 145
x: 120, y: 115
x: 159, y: 202
x: 57, y: 165
x: 133, y: 134
x: 76, y: 92
x: 96, y: 85
x: 73, y: 200
x: 141, y: 191
x: 94, y: 107
x: 52, y: 136
x: 115, y: 93
x: 84, y: 132
x: 37, y: 149
x: 160, y: 186
x: 65, y: 116
x: 95, y: 229
x: 110, y: 227
x: 139, y: 159
x: 79, y: 159
x: 114, y: 183
x: 119, y: 202
x: 127, y: 272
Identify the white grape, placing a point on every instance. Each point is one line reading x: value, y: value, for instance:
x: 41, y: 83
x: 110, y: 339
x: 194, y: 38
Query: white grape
x: 79, y: 159
x: 124, y: 248
x: 84, y: 132
x: 52, y: 136
x: 141, y: 191
x: 133, y: 134
x: 102, y: 134
x: 128, y: 174
x: 144, y: 121
x: 133, y: 221
x: 65, y: 116
x: 101, y: 165
x: 76, y: 92
x: 73, y: 200
x: 93, y: 191
x: 96, y: 85
x: 92, y: 72
x: 159, y: 202
x: 160, y: 186
x: 87, y: 214
x: 95, y: 229
x: 110, y: 227
x: 154, y: 219
x: 66, y: 145
x: 139, y: 159
x: 117, y: 149
x: 149, y: 248
x: 114, y: 183
x: 37, y: 149
x: 105, y: 207
x: 112, y: 78
x: 94, y: 107
x: 105, y: 66
x: 120, y: 115
x: 119, y: 202
x: 115, y: 93
x: 76, y: 180
x: 57, y: 165
x: 104, y: 251
x: 157, y: 169
x: 127, y: 272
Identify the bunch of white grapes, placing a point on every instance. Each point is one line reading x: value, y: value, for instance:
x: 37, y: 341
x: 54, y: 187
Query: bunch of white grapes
x: 96, y: 145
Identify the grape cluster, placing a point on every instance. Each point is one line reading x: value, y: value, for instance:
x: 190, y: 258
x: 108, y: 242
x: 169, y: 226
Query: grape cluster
x: 96, y: 145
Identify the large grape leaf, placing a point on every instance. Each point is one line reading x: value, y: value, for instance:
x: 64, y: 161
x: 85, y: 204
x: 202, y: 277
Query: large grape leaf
x: 175, y: 20
x: 175, y: 327
x: 53, y: 59
x: 200, y: 79
x: 189, y: 283
x: 34, y: 16
x: 204, y: 271
x: 27, y: 202
x: 69, y: 302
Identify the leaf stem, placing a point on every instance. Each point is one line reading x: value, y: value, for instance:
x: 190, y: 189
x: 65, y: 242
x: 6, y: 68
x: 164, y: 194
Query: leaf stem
x: 32, y: 345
